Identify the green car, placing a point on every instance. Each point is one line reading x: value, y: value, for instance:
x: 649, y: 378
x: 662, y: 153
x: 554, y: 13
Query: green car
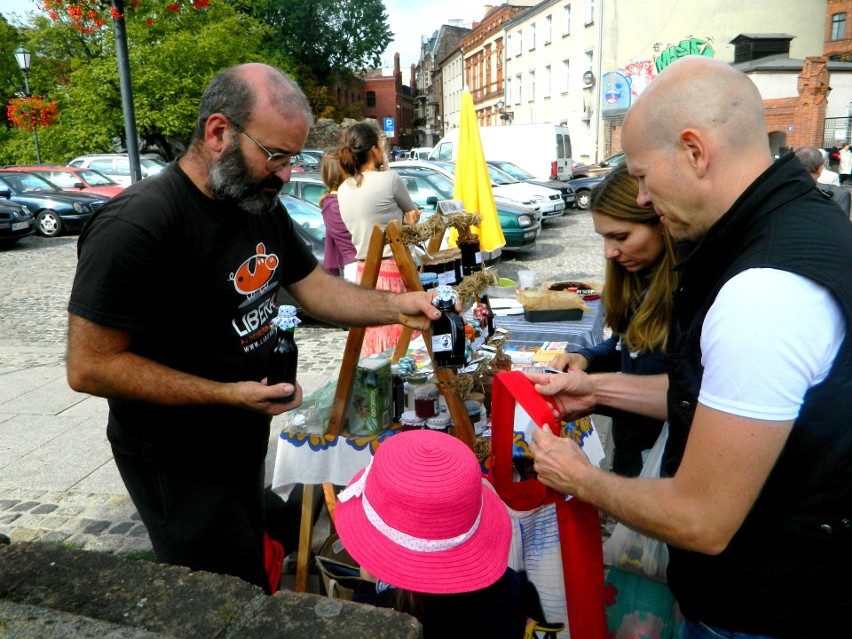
x: 520, y: 224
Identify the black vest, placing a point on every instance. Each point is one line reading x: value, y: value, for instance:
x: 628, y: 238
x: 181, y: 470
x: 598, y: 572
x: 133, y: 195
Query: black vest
x: 788, y: 571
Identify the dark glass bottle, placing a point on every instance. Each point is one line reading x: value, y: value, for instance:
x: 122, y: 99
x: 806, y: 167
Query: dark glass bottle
x: 397, y: 393
x: 285, y: 355
x: 447, y: 331
x: 489, y: 317
x: 471, y: 258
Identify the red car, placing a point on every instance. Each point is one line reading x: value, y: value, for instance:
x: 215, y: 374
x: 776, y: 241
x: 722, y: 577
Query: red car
x: 72, y: 178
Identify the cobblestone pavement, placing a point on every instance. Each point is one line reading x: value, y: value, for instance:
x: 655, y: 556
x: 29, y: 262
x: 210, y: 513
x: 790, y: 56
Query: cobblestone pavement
x: 38, y: 273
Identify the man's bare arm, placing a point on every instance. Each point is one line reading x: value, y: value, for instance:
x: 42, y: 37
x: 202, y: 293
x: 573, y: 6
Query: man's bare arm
x: 100, y: 363
x: 724, y: 468
x: 332, y: 298
x: 577, y: 393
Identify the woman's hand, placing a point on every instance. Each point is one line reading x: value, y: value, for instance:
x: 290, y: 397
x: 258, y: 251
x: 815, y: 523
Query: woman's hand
x: 574, y: 361
x: 573, y: 392
x: 412, y: 216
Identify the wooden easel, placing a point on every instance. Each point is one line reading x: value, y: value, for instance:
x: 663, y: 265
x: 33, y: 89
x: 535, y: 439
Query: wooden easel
x: 463, y: 428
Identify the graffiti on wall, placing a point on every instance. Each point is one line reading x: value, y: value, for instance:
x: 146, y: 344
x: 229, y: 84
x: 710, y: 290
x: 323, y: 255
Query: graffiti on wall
x: 688, y: 46
x: 622, y: 86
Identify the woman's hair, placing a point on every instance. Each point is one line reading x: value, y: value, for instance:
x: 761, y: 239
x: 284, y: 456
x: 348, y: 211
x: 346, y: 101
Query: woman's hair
x: 638, y: 306
x: 331, y: 172
x: 358, y: 140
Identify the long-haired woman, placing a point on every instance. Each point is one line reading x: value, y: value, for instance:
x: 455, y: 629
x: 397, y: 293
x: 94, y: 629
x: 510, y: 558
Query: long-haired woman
x: 637, y: 301
x: 370, y: 196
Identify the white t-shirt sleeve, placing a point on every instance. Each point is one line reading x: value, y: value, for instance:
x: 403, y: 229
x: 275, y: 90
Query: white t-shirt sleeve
x: 769, y: 336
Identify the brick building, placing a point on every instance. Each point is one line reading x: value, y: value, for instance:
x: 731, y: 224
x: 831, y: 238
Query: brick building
x: 484, y: 55
x: 838, y: 31
x: 385, y: 96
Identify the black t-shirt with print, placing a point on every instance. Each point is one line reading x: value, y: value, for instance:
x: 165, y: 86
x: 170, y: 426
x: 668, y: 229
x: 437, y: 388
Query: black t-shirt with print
x: 196, y: 282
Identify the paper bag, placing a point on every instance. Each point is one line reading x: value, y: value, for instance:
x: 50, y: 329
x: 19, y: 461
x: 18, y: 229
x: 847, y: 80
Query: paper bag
x: 536, y: 299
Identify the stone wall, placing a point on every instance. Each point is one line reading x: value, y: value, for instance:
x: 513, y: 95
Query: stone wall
x: 51, y: 591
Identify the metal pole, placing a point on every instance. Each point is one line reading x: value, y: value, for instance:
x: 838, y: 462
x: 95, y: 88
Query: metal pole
x: 126, y: 91
x: 35, y: 124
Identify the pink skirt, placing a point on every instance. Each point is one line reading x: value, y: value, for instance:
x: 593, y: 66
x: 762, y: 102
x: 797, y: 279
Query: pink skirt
x: 380, y: 338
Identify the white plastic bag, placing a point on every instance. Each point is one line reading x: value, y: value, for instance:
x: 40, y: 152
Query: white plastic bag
x: 631, y: 551
x: 311, y: 418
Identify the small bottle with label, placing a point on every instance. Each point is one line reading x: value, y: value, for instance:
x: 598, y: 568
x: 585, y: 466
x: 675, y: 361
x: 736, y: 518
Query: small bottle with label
x: 285, y: 354
x: 448, y: 341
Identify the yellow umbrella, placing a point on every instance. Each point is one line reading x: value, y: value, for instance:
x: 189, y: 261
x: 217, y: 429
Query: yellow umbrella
x: 472, y: 182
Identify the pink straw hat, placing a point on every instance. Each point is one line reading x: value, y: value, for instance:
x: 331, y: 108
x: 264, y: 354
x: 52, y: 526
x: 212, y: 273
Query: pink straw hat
x: 420, y: 517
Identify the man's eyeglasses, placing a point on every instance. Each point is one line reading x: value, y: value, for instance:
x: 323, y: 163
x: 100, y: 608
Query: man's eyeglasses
x: 275, y: 161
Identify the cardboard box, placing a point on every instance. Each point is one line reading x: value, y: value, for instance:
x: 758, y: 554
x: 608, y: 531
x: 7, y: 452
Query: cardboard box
x: 370, y: 408
x: 550, y: 351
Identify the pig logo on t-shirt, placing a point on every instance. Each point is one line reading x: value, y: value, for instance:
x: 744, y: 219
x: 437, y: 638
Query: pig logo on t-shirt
x: 256, y: 272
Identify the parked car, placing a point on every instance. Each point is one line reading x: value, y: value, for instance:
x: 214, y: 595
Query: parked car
x: 56, y: 211
x: 117, y: 165
x: 314, y: 153
x: 602, y: 168
x: 305, y: 186
x: 565, y: 189
x: 546, y: 201
x: 306, y: 163
x: 73, y: 178
x: 520, y: 224
x: 583, y: 189
x: 309, y: 226
x: 303, y: 213
x: 16, y: 221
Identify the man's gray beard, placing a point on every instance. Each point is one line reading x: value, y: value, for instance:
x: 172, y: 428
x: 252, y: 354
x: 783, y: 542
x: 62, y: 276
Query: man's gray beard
x: 229, y: 180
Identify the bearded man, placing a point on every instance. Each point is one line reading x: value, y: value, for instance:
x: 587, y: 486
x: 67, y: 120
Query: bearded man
x: 169, y: 319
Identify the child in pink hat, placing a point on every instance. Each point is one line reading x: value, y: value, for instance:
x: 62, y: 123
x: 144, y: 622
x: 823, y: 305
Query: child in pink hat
x: 421, y: 520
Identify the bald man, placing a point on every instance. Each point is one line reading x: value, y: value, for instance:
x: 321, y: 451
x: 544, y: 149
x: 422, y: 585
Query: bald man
x: 756, y: 499
x: 170, y: 319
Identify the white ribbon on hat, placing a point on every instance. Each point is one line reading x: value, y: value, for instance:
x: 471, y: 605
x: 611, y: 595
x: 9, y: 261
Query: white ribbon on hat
x: 400, y: 538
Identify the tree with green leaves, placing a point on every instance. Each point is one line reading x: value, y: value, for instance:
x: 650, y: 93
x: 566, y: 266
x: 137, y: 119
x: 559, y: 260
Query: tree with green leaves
x: 328, y: 39
x: 171, y: 61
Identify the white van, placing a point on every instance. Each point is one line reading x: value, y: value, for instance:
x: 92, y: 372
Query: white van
x: 544, y: 150
x: 420, y: 153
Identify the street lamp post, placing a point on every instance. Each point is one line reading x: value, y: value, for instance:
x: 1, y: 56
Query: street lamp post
x: 23, y: 57
x: 506, y: 116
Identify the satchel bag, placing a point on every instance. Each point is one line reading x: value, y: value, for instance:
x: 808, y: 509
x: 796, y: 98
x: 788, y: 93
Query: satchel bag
x: 556, y: 541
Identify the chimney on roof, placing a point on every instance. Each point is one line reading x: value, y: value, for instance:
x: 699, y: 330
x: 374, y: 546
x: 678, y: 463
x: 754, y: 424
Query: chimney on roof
x: 753, y: 46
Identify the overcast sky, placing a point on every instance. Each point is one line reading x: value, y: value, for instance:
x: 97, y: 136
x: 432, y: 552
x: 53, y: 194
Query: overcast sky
x: 409, y: 20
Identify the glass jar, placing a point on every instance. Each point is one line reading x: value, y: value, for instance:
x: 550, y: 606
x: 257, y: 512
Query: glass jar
x: 410, y: 421
x: 474, y: 412
x: 442, y: 422
x: 479, y: 398
x: 471, y: 258
x: 428, y: 281
x: 412, y: 382
x: 426, y: 400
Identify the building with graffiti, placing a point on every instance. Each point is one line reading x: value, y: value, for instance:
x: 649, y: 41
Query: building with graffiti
x: 639, y: 40
x: 582, y: 63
